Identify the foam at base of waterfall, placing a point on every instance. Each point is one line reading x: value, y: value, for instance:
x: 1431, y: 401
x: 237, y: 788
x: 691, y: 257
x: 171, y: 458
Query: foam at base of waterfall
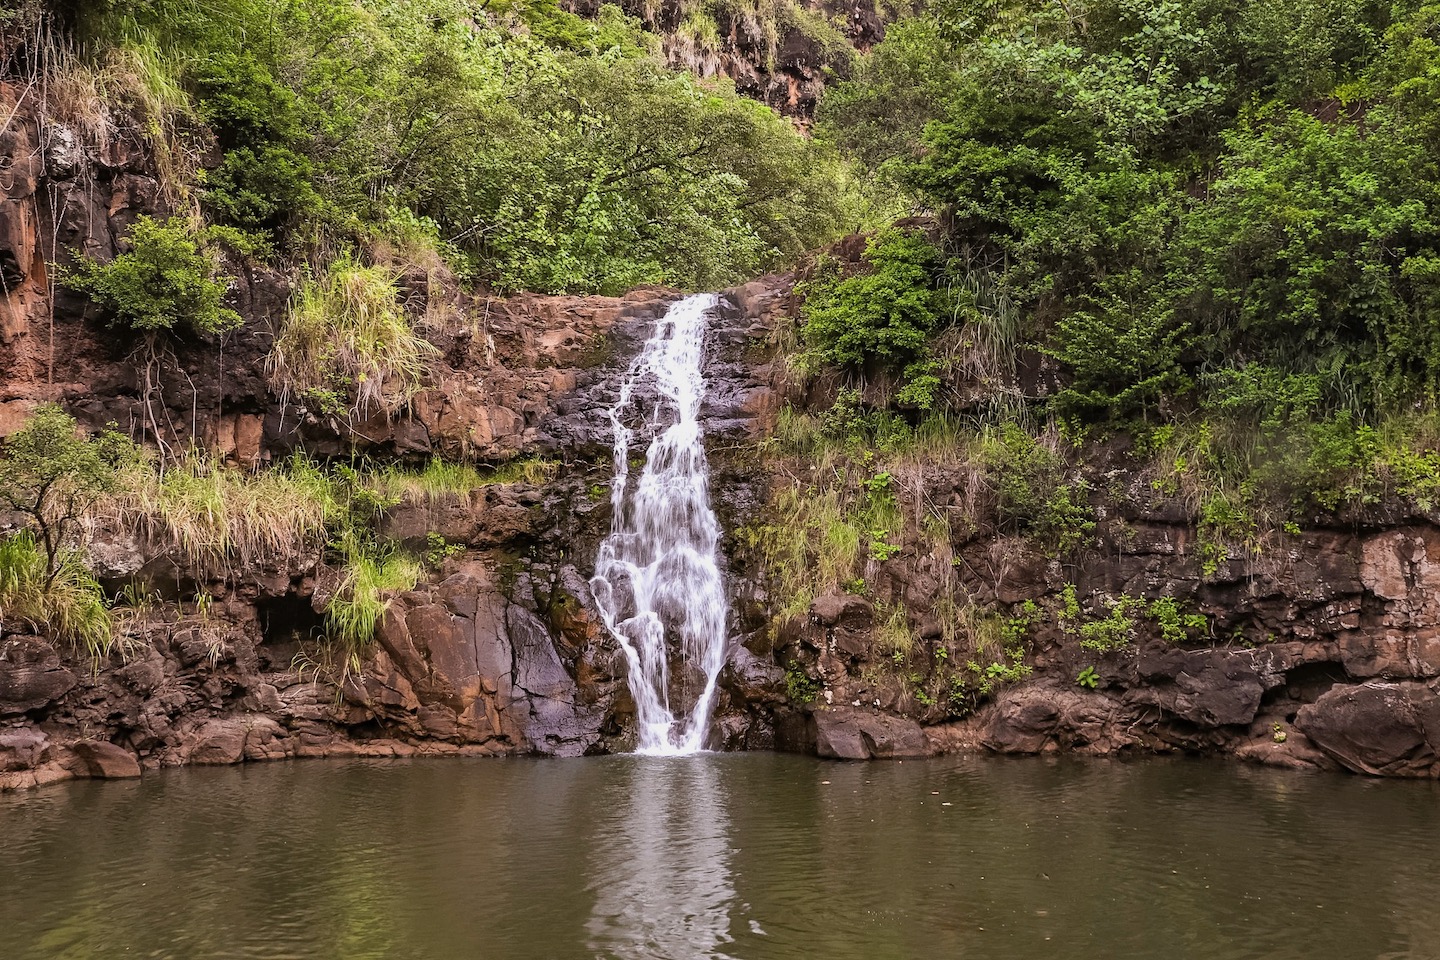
x: 657, y: 581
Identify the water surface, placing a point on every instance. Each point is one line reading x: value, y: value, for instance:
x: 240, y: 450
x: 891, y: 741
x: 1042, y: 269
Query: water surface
x: 743, y: 856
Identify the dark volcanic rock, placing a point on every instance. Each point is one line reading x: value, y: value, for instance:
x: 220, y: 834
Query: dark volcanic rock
x: 1209, y: 688
x: 31, y: 675
x: 1036, y: 719
x: 1383, y: 729
x: 856, y: 733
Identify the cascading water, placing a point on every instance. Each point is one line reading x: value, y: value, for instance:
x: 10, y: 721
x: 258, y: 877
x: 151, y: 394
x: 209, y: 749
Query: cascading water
x: 656, y: 577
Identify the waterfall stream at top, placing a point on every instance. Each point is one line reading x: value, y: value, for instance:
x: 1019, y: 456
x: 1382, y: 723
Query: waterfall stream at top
x: 657, y: 583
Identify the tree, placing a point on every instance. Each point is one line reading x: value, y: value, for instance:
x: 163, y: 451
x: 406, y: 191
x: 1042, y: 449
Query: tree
x: 50, y: 473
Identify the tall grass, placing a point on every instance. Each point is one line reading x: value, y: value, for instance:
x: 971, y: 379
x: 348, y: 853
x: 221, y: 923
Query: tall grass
x: 372, y: 577
x: 214, y: 514
x: 68, y: 606
x: 346, y: 343
x: 443, y: 478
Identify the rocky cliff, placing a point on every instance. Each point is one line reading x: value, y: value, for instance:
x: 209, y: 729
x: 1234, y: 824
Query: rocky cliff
x: 780, y: 53
x: 499, y: 654
x: 1322, y: 652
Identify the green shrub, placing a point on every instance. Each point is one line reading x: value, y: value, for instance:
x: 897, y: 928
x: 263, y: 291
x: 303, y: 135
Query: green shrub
x: 1033, y: 494
x: 168, y: 278
x: 263, y: 188
x: 1114, y: 631
x: 58, y: 596
x: 243, y: 102
x: 799, y: 687
x: 886, y: 313
x: 52, y: 476
x: 1175, y: 626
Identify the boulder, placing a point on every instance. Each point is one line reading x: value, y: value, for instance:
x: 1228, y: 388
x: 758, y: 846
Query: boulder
x: 1381, y: 729
x: 216, y: 742
x: 855, y: 733
x: 751, y: 680
x: 1031, y: 720
x: 1022, y: 723
x: 104, y: 760
x: 22, y: 749
x: 842, y: 610
x: 1209, y: 688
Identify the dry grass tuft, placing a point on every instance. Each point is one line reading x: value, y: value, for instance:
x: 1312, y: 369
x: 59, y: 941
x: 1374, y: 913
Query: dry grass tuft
x: 346, y: 345
x: 221, y: 516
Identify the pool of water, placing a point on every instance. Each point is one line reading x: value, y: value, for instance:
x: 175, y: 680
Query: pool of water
x: 743, y: 856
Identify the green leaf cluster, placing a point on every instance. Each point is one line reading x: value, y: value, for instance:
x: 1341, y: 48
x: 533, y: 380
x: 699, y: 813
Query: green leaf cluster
x: 883, y: 315
x: 169, y: 278
x: 529, y: 147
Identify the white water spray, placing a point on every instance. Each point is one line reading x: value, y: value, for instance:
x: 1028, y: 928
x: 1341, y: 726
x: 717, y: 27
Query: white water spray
x: 656, y: 577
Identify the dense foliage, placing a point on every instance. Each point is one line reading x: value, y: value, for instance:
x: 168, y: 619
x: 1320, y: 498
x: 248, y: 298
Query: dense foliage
x: 167, y: 278
x: 885, y: 314
x: 1182, y: 195
x: 532, y: 148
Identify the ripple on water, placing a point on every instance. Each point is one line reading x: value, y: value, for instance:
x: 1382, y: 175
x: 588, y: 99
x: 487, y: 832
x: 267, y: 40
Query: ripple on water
x: 722, y: 856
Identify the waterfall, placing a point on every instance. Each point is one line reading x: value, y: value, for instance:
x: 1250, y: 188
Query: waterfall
x: 657, y: 584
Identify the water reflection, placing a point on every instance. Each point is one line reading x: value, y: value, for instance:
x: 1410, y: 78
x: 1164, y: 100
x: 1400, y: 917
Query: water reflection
x: 720, y: 856
x: 660, y: 862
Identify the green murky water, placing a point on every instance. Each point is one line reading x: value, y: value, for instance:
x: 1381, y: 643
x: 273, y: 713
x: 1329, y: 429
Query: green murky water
x: 750, y: 856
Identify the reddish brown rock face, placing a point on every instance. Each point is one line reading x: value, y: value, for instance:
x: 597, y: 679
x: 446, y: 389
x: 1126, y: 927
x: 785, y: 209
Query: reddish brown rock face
x: 500, y: 651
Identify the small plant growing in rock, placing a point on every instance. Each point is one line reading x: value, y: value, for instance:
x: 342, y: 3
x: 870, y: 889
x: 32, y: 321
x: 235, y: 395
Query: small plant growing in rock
x: 1012, y: 669
x: 437, y: 550
x: 1114, y: 631
x: 1176, y: 627
x: 1279, y: 735
x: 1088, y: 678
x: 799, y: 687
x: 1067, y: 616
x: 881, y: 549
x: 922, y: 696
x: 1015, y: 629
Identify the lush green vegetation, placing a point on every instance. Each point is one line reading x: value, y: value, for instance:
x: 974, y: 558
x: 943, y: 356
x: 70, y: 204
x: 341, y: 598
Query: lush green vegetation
x: 1218, y: 218
x: 1183, y: 194
x: 526, y: 146
x: 166, y: 279
x: 50, y: 475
